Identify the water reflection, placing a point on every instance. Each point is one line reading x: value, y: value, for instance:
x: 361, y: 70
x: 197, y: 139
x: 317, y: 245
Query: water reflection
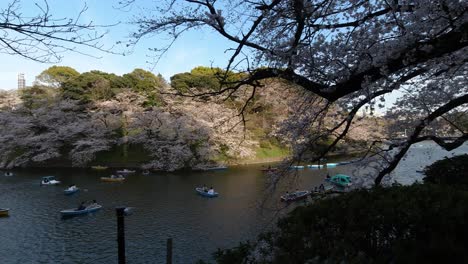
x: 165, y: 206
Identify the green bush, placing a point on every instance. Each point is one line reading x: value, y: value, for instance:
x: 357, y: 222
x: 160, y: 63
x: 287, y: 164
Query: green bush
x: 448, y: 171
x: 412, y: 224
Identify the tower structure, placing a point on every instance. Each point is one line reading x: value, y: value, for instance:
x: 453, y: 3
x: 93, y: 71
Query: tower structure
x: 21, y: 81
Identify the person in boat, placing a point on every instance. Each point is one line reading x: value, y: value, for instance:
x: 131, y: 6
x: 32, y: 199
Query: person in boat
x: 315, y: 189
x: 81, y: 206
x: 322, y: 188
x: 92, y: 204
x: 204, y: 188
x: 211, y: 190
x: 328, y: 176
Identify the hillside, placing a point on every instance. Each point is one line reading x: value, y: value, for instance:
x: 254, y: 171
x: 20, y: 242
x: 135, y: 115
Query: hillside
x: 135, y: 120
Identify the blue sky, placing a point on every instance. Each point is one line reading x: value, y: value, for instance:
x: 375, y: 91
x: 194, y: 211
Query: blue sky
x: 193, y: 49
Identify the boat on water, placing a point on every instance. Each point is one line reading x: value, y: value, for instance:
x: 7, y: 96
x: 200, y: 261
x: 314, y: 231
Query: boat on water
x: 269, y: 169
x: 340, y: 180
x: 125, y: 171
x: 204, y: 192
x: 215, y: 168
x: 347, y: 162
x: 98, y: 167
x: 145, y: 172
x: 297, y: 167
x: 8, y: 174
x: 4, y: 211
x: 295, y: 196
x: 113, y: 178
x: 315, y: 166
x: 75, y: 211
x: 71, y: 190
x: 331, y: 165
x: 49, y: 180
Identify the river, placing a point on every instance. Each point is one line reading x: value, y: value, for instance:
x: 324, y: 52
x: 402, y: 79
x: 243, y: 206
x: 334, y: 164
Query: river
x: 165, y: 206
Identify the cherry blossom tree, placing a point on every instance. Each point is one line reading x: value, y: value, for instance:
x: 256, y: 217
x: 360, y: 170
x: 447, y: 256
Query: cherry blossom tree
x: 348, y: 54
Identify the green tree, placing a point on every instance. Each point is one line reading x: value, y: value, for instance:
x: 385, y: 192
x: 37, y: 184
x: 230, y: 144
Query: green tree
x: 203, y: 79
x: 142, y: 81
x: 147, y: 83
x: 56, y: 76
x: 93, y: 85
x: 36, y: 96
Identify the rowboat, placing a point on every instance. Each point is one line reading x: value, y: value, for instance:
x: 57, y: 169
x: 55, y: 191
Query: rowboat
x: 201, y: 192
x: 298, y: 195
x: 215, y: 168
x: 269, y: 169
x: 340, y: 180
x: 98, y: 167
x: 87, y: 210
x: 71, y: 190
x: 125, y: 171
x: 314, y: 166
x: 330, y: 165
x: 49, y: 180
x: 9, y: 173
x: 4, y: 211
x: 113, y: 178
x: 297, y: 167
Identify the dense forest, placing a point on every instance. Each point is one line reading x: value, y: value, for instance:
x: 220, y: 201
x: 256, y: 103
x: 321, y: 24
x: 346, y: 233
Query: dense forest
x: 67, y: 118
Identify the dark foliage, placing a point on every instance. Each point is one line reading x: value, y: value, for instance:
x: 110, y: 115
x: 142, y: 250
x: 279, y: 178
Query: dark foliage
x: 414, y: 224
x: 448, y: 171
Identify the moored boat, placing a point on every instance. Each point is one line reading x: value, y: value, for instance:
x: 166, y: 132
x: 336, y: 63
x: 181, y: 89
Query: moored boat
x: 269, y: 169
x: 75, y: 211
x: 215, y: 168
x: 71, y: 190
x: 297, y: 167
x: 331, y: 165
x: 4, y: 211
x: 99, y: 167
x: 125, y: 171
x: 49, y: 180
x: 9, y: 174
x: 315, y: 166
x: 205, y: 193
x: 113, y: 178
x: 295, y: 196
x: 340, y: 180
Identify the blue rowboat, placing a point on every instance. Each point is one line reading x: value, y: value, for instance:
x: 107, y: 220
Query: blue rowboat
x: 87, y: 210
x: 70, y: 191
x: 297, y: 167
x: 331, y: 165
x: 340, y: 180
x: 314, y: 166
x: 201, y: 192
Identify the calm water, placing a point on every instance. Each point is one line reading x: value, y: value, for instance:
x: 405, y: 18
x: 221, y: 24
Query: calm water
x: 166, y: 206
